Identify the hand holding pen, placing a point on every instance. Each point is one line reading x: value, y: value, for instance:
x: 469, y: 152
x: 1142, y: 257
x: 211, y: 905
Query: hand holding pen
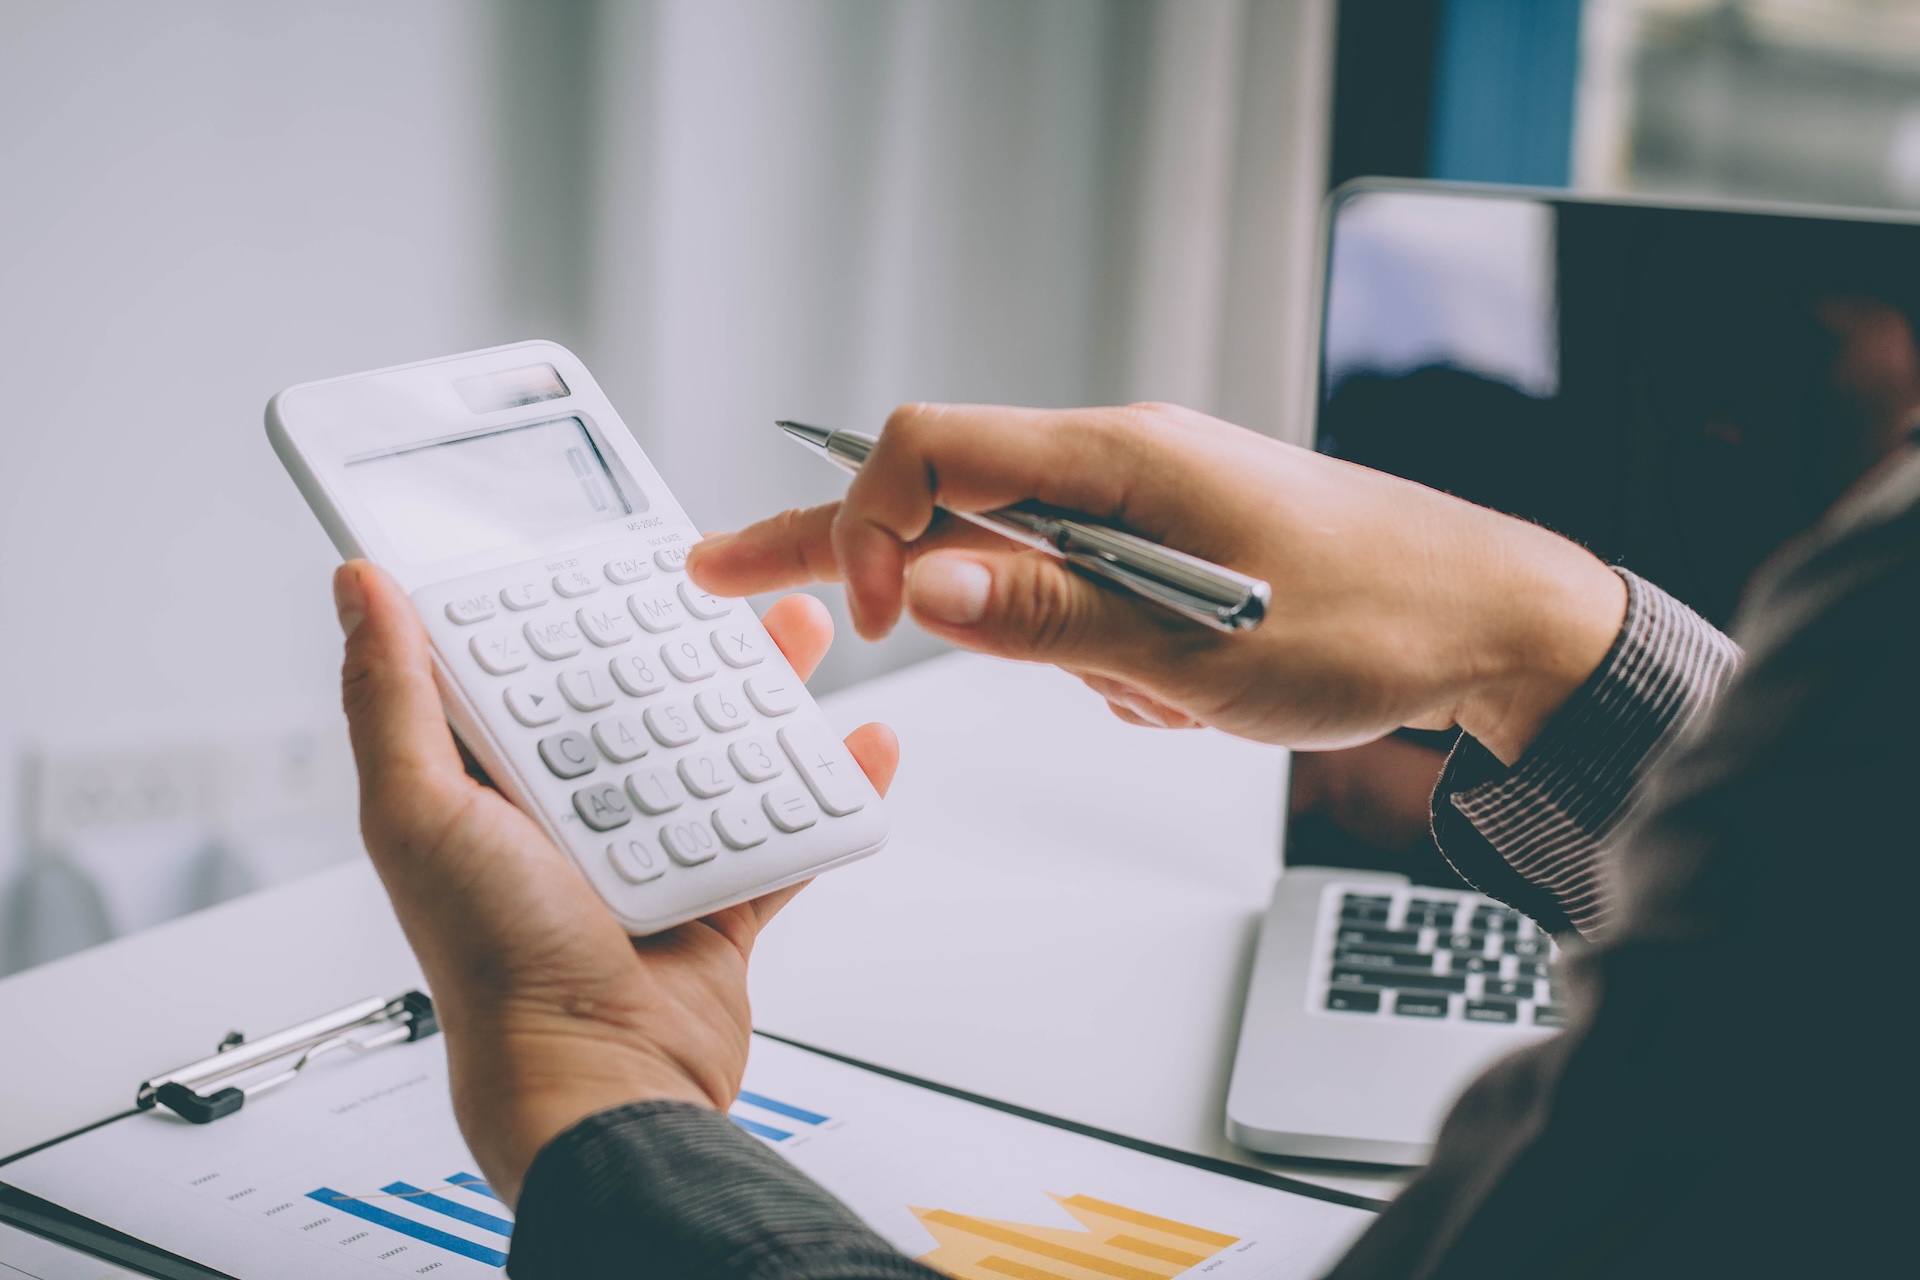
x: 1391, y: 604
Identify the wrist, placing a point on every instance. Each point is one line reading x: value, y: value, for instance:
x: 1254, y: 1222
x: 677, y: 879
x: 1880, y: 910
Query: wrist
x: 515, y: 1094
x: 1563, y: 609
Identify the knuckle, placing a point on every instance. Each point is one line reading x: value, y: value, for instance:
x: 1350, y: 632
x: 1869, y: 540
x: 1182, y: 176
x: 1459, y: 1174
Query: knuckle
x: 1047, y: 608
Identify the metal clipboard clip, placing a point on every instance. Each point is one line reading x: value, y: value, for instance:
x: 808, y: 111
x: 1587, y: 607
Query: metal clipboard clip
x: 204, y: 1091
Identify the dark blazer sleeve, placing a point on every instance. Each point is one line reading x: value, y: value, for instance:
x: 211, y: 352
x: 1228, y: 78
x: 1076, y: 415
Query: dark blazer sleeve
x: 671, y: 1189
x: 1724, y: 1100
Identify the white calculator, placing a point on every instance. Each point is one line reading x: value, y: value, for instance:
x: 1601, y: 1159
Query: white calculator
x: 653, y: 730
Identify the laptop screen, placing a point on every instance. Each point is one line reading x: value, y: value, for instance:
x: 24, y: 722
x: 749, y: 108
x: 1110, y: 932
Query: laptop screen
x: 1679, y: 389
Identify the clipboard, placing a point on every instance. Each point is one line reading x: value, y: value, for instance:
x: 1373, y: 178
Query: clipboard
x: 883, y: 1141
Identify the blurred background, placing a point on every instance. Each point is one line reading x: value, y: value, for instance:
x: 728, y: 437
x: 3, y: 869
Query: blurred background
x: 733, y: 210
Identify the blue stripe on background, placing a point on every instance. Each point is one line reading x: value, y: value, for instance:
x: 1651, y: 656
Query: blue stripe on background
x: 452, y: 1209
x: 760, y: 1130
x: 779, y: 1108
x: 475, y: 1184
x: 408, y: 1227
x: 1503, y: 91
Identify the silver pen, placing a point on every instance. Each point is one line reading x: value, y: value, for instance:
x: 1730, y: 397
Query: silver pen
x: 1189, y: 586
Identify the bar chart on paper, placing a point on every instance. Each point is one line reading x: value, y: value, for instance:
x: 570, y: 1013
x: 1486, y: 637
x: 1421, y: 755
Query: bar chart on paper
x: 979, y: 1194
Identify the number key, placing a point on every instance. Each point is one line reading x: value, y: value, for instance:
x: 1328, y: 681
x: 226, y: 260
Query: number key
x: 586, y: 688
x: 620, y: 739
x: 635, y: 860
x: 690, y: 842
x: 634, y: 673
x: 670, y: 724
x: 499, y: 653
x: 755, y: 763
x: 722, y: 709
x: 655, y: 791
x: 687, y: 660
x: 704, y: 776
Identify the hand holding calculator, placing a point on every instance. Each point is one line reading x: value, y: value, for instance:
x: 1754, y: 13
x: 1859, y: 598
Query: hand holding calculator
x: 653, y: 730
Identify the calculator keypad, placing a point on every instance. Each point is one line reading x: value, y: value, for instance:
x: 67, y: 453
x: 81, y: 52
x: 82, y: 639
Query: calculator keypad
x: 657, y: 725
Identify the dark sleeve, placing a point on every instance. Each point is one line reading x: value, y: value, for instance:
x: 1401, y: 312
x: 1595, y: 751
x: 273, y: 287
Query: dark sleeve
x: 671, y: 1189
x: 1535, y: 835
x: 1724, y: 1101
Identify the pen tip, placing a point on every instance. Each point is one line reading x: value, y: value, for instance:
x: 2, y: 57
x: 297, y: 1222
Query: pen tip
x: 799, y: 430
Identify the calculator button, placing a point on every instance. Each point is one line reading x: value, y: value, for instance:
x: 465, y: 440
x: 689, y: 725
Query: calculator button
x: 826, y: 768
x: 672, y: 559
x: 500, y: 653
x: 636, y: 674
x: 635, y: 860
x: 603, y: 807
x: 687, y: 660
x: 690, y: 842
x: 740, y: 825
x: 657, y: 611
x: 532, y: 706
x: 628, y: 569
x: 524, y: 595
x: 620, y: 739
x: 605, y: 627
x: 722, y: 709
x: 704, y: 776
x: 586, y: 689
x: 754, y: 761
x: 790, y: 808
x: 554, y: 639
x: 468, y: 610
x: 739, y: 646
x: 671, y: 725
x: 700, y: 604
x: 568, y: 754
x: 575, y: 582
x: 774, y: 695
x: 655, y: 791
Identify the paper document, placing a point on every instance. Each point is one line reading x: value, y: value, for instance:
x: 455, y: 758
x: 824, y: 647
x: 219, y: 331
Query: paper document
x: 28, y: 1256
x: 357, y: 1169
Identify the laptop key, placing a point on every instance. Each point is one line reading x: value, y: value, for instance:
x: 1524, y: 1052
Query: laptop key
x: 1410, y: 1005
x: 1510, y: 988
x: 1374, y: 959
x: 1350, y: 976
x: 1354, y: 935
x: 1352, y: 1000
x: 1526, y: 946
x: 1363, y: 915
x: 1475, y: 942
x: 1530, y: 969
x: 1549, y: 1015
x: 1492, y: 1011
x: 1476, y: 964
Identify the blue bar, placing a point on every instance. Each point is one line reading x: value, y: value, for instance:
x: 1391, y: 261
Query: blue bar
x: 408, y: 1227
x: 475, y: 1184
x: 761, y: 1130
x: 778, y: 1108
x: 451, y: 1208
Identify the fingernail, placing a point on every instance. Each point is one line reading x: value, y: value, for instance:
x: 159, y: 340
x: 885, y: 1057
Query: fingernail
x: 950, y: 589
x: 349, y: 598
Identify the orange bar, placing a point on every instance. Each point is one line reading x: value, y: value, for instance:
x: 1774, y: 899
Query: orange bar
x: 1198, y: 1234
x: 1045, y: 1248
x: 1147, y: 1248
x: 1020, y: 1270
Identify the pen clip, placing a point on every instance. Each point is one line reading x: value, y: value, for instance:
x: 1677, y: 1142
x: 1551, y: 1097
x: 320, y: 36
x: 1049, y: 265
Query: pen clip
x: 213, y: 1087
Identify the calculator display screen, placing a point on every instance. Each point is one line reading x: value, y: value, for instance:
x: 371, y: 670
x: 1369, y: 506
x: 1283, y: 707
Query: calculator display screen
x: 448, y: 498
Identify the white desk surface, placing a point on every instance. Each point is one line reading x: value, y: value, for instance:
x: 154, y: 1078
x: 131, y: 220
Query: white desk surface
x: 1063, y: 920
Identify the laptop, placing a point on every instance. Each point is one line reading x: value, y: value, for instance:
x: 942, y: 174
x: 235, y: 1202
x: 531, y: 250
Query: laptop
x: 1678, y: 386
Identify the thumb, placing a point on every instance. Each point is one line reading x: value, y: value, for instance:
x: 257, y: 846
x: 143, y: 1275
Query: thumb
x: 399, y: 732
x: 1027, y: 605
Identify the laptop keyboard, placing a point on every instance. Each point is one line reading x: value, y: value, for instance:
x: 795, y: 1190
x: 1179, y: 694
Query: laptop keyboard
x: 1433, y: 954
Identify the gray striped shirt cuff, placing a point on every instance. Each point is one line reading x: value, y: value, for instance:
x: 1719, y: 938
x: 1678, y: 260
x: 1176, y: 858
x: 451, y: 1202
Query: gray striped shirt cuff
x: 1536, y: 835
